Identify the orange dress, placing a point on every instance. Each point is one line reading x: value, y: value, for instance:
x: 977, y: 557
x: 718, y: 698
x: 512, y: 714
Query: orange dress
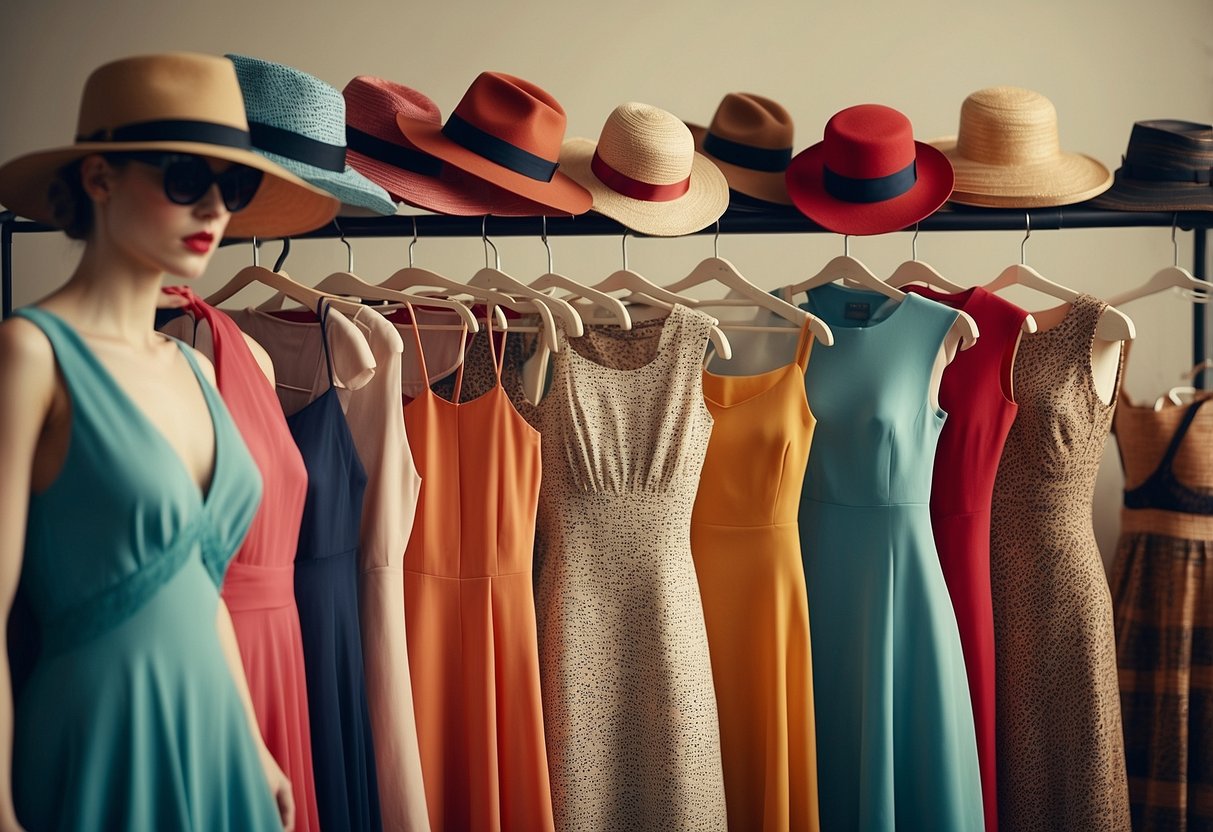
x: 470, y: 611
x: 746, y: 547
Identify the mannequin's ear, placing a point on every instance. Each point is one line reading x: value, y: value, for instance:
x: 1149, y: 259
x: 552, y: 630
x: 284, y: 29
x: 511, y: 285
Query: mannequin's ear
x: 97, y: 177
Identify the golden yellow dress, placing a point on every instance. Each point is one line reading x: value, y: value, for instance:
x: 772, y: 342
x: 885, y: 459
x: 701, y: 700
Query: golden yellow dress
x: 746, y: 547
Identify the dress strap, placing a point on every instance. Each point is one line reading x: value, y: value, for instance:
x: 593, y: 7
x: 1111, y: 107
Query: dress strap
x: 425, y: 373
x: 498, y: 355
x: 322, y: 312
x: 804, y: 344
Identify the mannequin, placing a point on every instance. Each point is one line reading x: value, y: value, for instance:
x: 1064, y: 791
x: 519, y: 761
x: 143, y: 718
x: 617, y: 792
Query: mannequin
x: 124, y: 486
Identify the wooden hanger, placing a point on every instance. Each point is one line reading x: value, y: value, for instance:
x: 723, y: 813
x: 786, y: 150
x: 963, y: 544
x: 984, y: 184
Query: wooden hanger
x: 614, y: 307
x: 281, y: 281
x: 411, y: 277
x: 1172, y: 276
x: 643, y: 291
x: 919, y: 271
x: 349, y: 284
x: 1113, y: 325
x: 845, y: 267
x: 495, y: 278
x: 716, y: 269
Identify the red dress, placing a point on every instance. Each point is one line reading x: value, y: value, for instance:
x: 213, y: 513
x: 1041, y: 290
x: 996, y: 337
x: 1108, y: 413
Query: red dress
x: 976, y: 395
x: 259, y: 588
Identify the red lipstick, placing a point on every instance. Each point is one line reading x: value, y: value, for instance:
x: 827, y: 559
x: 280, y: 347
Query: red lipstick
x: 199, y: 243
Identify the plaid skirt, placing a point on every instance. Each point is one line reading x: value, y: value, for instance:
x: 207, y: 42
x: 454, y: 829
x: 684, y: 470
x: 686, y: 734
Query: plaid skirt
x: 1162, y: 591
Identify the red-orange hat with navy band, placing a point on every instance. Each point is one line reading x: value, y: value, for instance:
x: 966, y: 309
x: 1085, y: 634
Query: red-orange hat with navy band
x: 868, y: 175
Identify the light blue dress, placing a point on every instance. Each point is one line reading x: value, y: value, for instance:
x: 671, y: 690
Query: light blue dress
x: 895, y: 739
x: 130, y: 719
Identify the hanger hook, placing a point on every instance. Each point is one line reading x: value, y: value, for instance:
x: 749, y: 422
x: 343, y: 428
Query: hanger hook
x: 484, y: 237
x: 716, y: 240
x: 349, y: 249
x: 413, y: 243
x: 286, y: 249
x: 1027, y: 223
x: 1174, y: 245
x: 625, y: 249
x: 914, y: 243
x: 256, y: 253
x: 543, y: 235
x: 846, y: 245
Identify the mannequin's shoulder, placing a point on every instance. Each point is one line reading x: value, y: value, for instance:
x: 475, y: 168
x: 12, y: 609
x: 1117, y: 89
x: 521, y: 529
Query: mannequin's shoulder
x: 204, y: 363
x: 27, y: 360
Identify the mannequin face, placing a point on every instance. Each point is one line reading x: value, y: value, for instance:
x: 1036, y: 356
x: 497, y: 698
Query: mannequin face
x: 137, y: 224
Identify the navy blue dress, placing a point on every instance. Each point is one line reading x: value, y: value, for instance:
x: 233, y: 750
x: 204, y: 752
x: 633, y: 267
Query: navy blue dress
x: 326, y: 592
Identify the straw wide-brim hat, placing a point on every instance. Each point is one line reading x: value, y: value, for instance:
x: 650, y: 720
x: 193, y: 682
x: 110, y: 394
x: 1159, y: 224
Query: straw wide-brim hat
x: 750, y: 140
x: 377, y: 149
x: 1168, y: 167
x: 177, y: 103
x: 644, y: 172
x: 298, y: 121
x: 868, y: 175
x: 506, y: 131
x: 1007, y: 154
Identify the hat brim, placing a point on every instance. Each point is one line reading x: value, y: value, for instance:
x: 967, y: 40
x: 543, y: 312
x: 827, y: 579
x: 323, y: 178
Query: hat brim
x: 451, y: 192
x: 706, y: 198
x: 283, y: 206
x: 1139, y: 195
x: 808, y: 193
x: 349, y: 186
x: 1069, y: 178
x: 769, y: 186
x: 560, y: 193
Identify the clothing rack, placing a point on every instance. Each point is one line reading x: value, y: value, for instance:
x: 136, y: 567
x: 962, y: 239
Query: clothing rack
x: 778, y: 221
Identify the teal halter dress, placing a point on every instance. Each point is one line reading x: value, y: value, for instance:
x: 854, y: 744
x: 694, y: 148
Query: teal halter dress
x: 896, y: 745
x: 129, y: 718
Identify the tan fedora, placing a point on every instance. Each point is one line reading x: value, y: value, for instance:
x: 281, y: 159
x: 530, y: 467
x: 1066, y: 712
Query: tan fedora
x: 178, y: 102
x: 750, y: 140
x: 645, y: 173
x: 1007, y: 154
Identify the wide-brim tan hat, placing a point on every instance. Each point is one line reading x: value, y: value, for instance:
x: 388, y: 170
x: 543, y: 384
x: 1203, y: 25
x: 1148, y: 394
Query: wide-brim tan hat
x: 178, y: 103
x: 1007, y: 154
x: 750, y: 140
x: 644, y: 172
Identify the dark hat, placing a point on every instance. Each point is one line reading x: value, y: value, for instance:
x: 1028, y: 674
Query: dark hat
x: 1168, y: 167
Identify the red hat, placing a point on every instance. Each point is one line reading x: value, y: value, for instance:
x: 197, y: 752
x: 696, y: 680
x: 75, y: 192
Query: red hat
x: 377, y: 149
x: 867, y: 175
x: 506, y: 131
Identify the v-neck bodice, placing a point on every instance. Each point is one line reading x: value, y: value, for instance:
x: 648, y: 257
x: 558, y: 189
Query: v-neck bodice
x: 124, y: 495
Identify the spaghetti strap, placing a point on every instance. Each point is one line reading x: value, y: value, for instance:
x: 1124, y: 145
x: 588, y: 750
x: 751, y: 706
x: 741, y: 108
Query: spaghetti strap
x: 498, y: 355
x: 322, y: 312
x: 1178, y: 437
x: 804, y: 345
x: 425, y: 373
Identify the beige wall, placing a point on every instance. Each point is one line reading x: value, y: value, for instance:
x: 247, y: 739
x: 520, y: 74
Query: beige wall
x: 1104, y: 64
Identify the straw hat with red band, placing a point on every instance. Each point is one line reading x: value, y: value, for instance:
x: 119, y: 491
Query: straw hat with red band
x: 177, y: 103
x: 506, y: 131
x: 379, y: 151
x: 645, y: 173
x: 867, y: 175
x: 750, y: 140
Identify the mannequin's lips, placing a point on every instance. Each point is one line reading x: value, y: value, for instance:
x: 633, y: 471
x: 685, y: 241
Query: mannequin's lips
x: 199, y: 243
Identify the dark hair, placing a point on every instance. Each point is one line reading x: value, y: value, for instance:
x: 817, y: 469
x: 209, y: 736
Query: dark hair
x: 70, y: 203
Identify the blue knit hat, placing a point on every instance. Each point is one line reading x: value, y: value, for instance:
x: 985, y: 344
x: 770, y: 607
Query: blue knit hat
x: 298, y: 121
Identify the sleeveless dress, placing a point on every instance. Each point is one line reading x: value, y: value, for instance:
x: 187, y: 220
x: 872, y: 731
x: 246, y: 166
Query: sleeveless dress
x: 1061, y: 763
x: 628, y: 703
x: 976, y: 394
x: 470, y: 611
x: 321, y: 362
x: 895, y: 732
x: 747, y: 556
x: 130, y: 718
x: 1162, y: 595
x: 259, y: 586
x: 326, y: 590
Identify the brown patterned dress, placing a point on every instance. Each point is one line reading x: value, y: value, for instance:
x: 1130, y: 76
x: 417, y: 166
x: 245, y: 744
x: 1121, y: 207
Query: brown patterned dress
x: 1061, y: 763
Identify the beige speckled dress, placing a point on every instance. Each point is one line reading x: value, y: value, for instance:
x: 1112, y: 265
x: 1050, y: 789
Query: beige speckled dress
x: 1061, y: 761
x: 629, y: 706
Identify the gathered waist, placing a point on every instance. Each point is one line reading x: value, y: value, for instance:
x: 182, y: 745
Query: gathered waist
x: 1168, y: 523
x: 249, y: 586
